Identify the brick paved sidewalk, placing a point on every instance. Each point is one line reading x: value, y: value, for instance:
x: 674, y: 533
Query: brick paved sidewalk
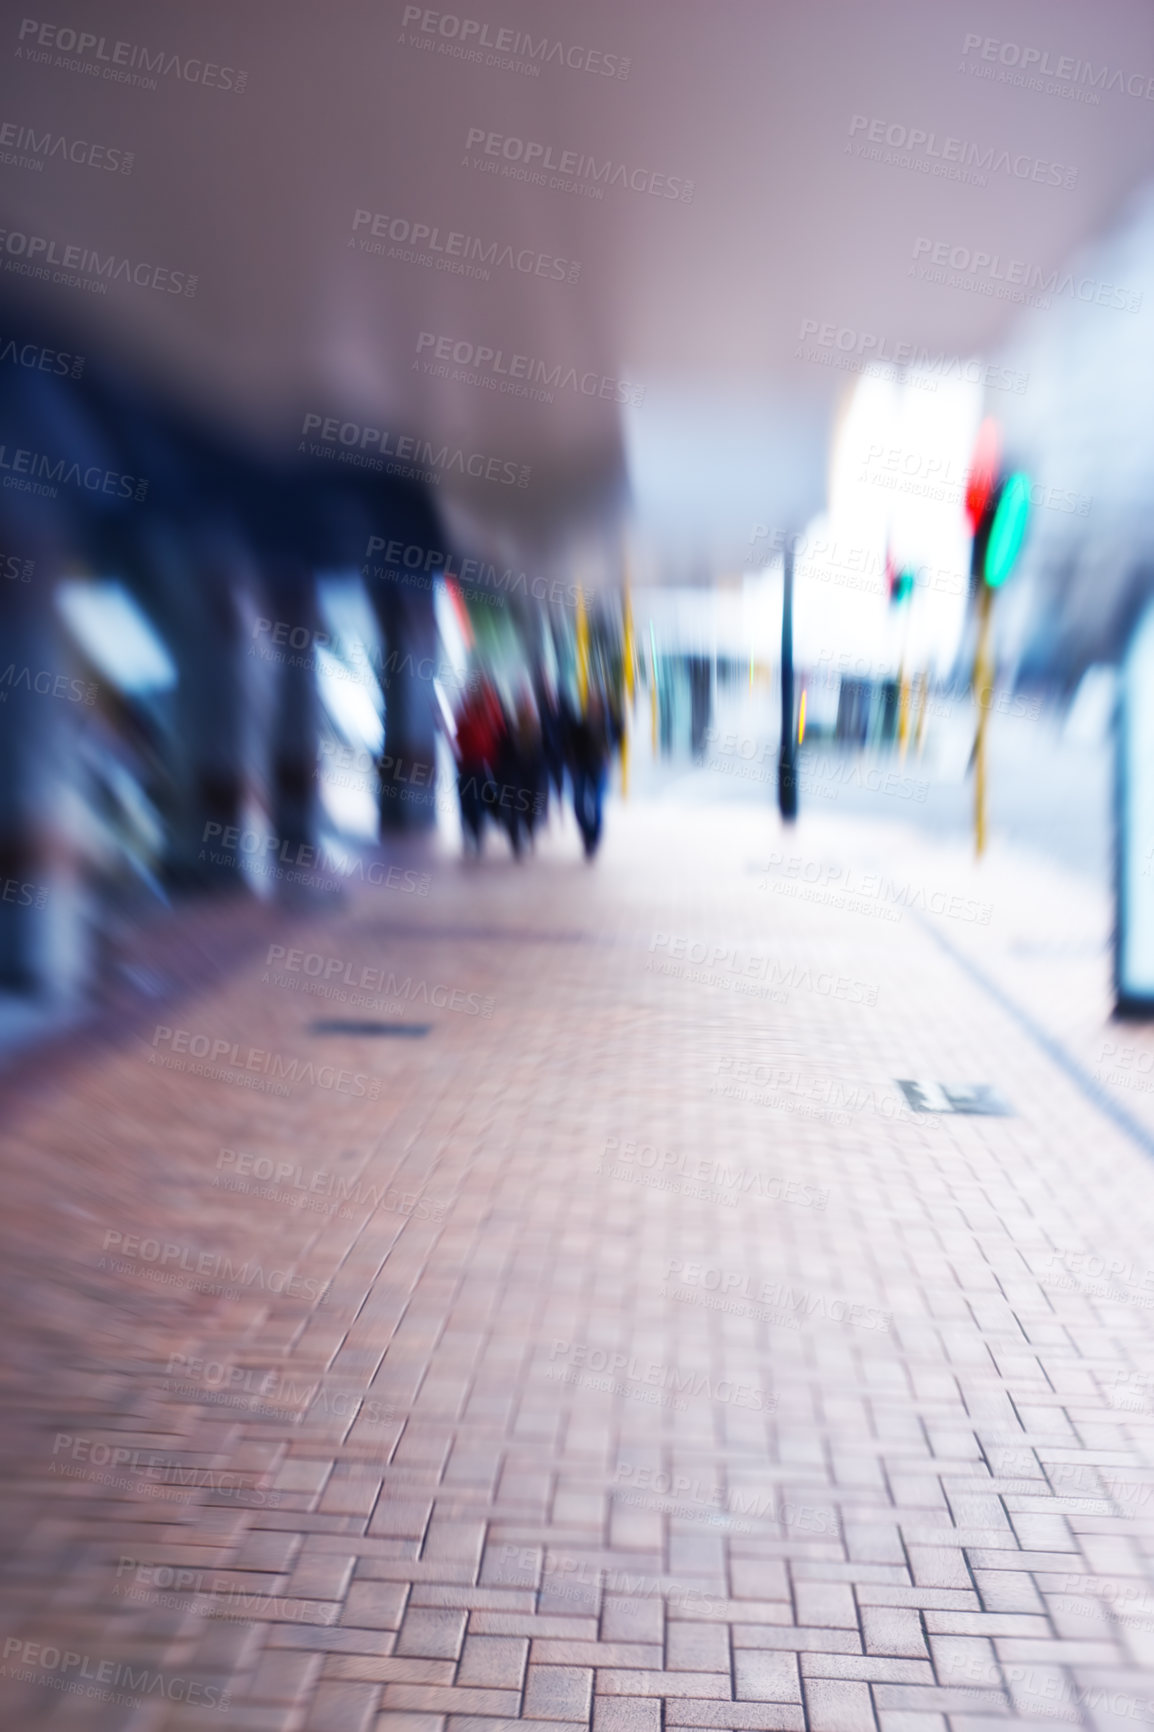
x: 622, y: 1350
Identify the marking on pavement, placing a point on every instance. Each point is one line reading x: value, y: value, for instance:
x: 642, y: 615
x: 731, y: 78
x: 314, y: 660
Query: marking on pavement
x: 973, y: 1098
x: 402, y: 1030
x: 1067, y: 1064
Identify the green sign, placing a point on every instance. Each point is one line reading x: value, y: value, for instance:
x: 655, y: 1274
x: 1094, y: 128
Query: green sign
x: 1007, y: 529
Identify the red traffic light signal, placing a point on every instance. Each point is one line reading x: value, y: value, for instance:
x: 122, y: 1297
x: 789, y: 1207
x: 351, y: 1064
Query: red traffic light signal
x: 983, y: 472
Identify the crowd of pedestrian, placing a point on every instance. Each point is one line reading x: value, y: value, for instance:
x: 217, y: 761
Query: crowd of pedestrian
x: 514, y: 755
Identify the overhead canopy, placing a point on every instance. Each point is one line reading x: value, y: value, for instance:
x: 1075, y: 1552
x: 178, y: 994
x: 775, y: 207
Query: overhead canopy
x: 375, y: 245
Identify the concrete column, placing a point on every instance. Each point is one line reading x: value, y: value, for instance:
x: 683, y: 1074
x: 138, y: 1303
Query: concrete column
x: 409, y: 759
x: 185, y: 586
x: 294, y: 746
x: 46, y: 950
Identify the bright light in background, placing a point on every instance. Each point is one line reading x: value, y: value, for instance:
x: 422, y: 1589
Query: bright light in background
x: 705, y: 464
x: 446, y: 611
x: 742, y: 623
x: 346, y: 612
x: 871, y: 418
x: 349, y: 701
x: 349, y: 798
x: 116, y: 635
x: 900, y: 458
x: 351, y: 695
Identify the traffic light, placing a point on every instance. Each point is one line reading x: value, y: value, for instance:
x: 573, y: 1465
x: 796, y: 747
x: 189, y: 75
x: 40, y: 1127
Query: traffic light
x: 998, y: 512
x: 898, y: 583
x: 901, y: 586
x: 1008, y: 514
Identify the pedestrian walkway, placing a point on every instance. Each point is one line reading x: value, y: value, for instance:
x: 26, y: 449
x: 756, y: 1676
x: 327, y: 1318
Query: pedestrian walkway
x: 538, y: 1300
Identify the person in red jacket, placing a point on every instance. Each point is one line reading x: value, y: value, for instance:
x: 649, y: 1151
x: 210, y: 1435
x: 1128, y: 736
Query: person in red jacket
x: 480, y: 733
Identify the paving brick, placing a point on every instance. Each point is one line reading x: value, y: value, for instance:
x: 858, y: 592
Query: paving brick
x: 696, y: 1647
x: 759, y: 1579
x: 558, y: 1692
x: 624, y: 1620
x: 322, y: 1576
x: 826, y: 1603
x: 342, y: 1707
x: 838, y: 1707
x: 626, y: 1714
x: 312, y: 1639
x: 867, y: 1668
x: 484, y: 1723
x: 735, y: 1716
x: 893, y: 1630
x: 445, y: 1699
x: 471, y: 1599
x: 912, y: 1698
x: 986, y: 1624
x: 550, y: 1652
x: 283, y: 1677
x: 761, y: 1676
x: 1015, y: 1650
x: 432, y: 1633
x: 494, y: 1662
x: 578, y: 1629
x: 940, y: 1599
x: 1008, y: 1591
x: 401, y: 1518
x: 712, y: 1685
x: 800, y: 1641
x: 389, y: 1669
x: 964, y: 1660
x: 378, y: 1605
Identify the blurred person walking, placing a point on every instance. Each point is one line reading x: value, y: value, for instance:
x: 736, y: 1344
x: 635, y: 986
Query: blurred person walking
x: 589, y: 748
x: 553, y: 739
x: 532, y: 770
x: 521, y: 774
x: 478, y: 747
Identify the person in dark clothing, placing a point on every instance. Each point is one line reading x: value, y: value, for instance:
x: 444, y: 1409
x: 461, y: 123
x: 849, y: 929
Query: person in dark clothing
x: 589, y: 769
x: 517, y: 771
x: 553, y: 739
x: 532, y: 796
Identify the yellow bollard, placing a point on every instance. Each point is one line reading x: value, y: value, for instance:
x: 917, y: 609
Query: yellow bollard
x: 983, y: 691
x: 582, y: 652
x: 923, y: 700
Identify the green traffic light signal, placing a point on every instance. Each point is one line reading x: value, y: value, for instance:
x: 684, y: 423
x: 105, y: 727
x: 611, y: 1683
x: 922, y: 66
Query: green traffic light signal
x: 1007, y: 530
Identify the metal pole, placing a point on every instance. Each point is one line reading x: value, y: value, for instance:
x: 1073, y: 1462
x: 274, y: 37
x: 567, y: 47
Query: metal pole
x: 923, y: 699
x: 787, y: 760
x: 983, y: 687
x: 904, y: 682
x: 582, y: 652
x: 627, y: 655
